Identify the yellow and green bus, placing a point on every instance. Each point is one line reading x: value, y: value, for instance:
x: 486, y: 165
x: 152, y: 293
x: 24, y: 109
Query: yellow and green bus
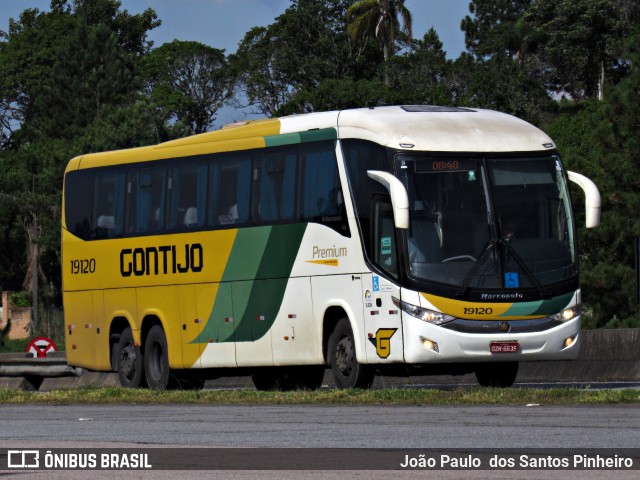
x: 403, y: 239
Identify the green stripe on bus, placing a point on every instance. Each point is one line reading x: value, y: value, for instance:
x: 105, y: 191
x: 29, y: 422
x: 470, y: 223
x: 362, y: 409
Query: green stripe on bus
x: 267, y: 292
x: 261, y: 261
x: 317, y: 135
x: 554, y: 305
x: 246, y: 254
x: 540, y: 307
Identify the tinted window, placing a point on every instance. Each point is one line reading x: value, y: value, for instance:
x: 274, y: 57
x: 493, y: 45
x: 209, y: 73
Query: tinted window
x: 260, y: 187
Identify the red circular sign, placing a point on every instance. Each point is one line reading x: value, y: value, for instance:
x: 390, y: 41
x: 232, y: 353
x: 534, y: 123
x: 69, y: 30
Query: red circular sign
x: 40, y: 346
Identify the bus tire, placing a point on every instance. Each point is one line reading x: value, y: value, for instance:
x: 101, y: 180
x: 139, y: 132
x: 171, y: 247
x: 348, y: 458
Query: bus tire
x: 130, y: 362
x: 500, y: 375
x: 156, y: 359
x: 347, y: 371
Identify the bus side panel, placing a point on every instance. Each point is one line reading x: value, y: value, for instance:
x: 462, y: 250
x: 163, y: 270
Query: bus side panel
x: 382, y: 320
x: 251, y: 307
x: 162, y: 302
x: 216, y: 338
x: 297, y: 338
x: 80, y: 341
x: 122, y: 302
x: 101, y: 332
x: 344, y: 291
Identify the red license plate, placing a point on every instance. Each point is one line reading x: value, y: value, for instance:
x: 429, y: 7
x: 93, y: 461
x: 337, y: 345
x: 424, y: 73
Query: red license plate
x: 504, y: 347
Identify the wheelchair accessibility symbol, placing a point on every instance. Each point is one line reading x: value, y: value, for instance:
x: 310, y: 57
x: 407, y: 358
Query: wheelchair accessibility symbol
x: 511, y: 280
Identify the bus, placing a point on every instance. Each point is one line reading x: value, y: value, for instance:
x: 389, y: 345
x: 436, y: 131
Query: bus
x: 389, y: 240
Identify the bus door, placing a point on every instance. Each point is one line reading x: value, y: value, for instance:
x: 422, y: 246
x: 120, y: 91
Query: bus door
x: 382, y: 320
x: 383, y: 325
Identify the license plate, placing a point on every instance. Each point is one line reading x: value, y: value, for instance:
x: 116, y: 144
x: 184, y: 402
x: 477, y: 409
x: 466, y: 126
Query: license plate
x: 504, y: 347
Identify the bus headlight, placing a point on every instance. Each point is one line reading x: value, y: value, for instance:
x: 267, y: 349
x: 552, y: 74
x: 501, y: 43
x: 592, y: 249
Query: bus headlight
x: 567, y: 314
x: 424, y: 314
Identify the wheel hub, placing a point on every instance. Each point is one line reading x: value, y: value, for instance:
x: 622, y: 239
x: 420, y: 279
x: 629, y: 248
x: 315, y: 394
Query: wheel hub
x: 344, y: 356
x: 127, y: 361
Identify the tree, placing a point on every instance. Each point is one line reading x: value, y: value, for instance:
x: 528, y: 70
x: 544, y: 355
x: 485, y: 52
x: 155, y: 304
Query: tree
x: 305, y: 46
x: 32, y: 45
x: 65, y: 74
x: 379, y: 20
x: 189, y: 83
x: 580, y: 43
x: 600, y: 139
x: 495, y: 28
x: 417, y: 76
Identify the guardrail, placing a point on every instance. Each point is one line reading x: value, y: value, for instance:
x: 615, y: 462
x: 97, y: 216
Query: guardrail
x: 605, y: 356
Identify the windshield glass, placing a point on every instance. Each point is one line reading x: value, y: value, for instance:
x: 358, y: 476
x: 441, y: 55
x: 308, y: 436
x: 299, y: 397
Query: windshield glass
x: 488, y: 223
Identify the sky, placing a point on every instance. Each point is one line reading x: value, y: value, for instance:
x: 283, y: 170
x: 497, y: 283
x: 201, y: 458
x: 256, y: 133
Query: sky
x: 223, y: 23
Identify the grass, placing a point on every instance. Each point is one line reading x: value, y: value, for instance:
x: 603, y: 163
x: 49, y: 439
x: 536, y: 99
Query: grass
x: 388, y: 396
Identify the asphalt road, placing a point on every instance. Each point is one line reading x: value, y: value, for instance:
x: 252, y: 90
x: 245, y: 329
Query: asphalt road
x: 332, y: 426
x: 313, y: 426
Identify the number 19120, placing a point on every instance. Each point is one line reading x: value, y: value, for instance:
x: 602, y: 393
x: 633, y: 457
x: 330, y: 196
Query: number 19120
x: 83, y: 266
x: 478, y: 311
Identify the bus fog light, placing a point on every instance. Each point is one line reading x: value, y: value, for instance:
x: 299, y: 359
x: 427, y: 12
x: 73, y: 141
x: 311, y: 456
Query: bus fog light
x: 429, y: 344
x: 568, y: 342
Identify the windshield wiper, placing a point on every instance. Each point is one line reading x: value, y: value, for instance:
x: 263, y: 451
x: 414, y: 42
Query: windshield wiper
x: 475, y: 267
x: 505, y: 242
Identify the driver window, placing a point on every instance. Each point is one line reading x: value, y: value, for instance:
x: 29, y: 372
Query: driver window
x: 384, y: 240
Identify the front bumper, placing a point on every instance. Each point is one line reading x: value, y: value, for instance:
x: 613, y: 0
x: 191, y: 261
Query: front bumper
x: 461, y: 347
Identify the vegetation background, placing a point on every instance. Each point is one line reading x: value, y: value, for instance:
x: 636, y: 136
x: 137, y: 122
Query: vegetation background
x: 83, y: 77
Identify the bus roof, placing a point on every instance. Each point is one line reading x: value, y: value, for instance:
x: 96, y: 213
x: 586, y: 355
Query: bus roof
x: 429, y: 128
x: 412, y: 128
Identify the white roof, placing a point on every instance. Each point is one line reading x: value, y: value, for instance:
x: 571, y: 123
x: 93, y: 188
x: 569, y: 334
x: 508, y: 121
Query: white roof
x: 428, y: 128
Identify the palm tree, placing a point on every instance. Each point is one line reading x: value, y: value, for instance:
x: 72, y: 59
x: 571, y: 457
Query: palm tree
x: 379, y: 20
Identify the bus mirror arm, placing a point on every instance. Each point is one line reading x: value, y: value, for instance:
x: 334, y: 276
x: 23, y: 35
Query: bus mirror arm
x: 592, y: 198
x: 398, y: 194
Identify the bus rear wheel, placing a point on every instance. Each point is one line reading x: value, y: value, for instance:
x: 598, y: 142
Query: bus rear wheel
x: 500, y: 375
x: 129, y: 361
x: 156, y: 359
x: 347, y: 371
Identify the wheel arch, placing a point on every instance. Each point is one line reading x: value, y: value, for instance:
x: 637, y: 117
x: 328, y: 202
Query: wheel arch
x: 149, y: 320
x: 332, y: 316
x: 117, y: 326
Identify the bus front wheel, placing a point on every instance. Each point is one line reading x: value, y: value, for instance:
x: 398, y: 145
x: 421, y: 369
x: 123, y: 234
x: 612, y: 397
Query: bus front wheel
x: 347, y: 371
x: 499, y: 375
x: 129, y: 361
x: 156, y: 360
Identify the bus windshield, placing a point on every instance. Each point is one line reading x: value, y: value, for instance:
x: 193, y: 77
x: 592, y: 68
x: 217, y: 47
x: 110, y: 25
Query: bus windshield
x: 488, y: 222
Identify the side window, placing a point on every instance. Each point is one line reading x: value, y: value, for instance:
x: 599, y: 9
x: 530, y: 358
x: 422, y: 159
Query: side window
x: 322, y: 197
x: 186, y: 195
x: 94, y: 203
x: 360, y: 156
x: 321, y: 186
x: 230, y: 199
x: 79, y: 187
x: 277, y: 186
x: 150, y: 199
x: 108, y: 204
x: 383, y: 236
